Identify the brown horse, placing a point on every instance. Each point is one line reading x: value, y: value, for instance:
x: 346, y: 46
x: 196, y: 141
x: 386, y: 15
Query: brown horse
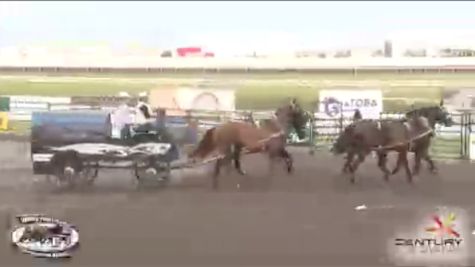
x: 230, y: 139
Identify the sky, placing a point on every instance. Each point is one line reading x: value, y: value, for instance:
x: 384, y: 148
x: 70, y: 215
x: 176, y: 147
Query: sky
x: 226, y: 24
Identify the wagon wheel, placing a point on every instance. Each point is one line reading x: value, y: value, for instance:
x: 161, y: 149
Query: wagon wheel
x: 89, y: 174
x: 10, y: 226
x: 152, y: 169
x: 67, y: 168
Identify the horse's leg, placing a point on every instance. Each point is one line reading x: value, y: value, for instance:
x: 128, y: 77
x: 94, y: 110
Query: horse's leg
x: 354, y: 167
x: 237, y: 158
x: 417, y: 163
x: 217, y: 167
x: 382, y: 161
x: 422, y: 152
x: 405, y: 161
x: 273, y: 154
x: 428, y: 159
x: 398, y: 165
x: 347, y: 165
x: 289, y: 161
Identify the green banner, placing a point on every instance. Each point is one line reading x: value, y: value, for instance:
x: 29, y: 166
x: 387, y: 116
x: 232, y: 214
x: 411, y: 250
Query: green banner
x: 4, y: 103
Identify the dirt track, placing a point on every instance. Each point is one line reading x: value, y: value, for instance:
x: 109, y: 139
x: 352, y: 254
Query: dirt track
x: 304, y: 219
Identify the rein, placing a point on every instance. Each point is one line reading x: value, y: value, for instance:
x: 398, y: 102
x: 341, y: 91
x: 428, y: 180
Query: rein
x: 191, y: 163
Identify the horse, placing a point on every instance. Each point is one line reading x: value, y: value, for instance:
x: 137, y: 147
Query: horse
x: 421, y: 122
x: 35, y: 232
x: 349, y: 157
x: 420, y: 146
x: 364, y: 136
x: 231, y: 138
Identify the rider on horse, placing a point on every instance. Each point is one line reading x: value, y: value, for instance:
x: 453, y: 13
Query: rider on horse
x: 357, y: 116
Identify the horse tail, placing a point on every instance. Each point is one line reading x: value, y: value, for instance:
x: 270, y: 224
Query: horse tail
x: 205, y: 146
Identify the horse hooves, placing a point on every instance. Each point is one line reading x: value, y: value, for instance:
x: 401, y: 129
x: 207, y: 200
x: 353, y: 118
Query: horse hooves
x: 215, y: 183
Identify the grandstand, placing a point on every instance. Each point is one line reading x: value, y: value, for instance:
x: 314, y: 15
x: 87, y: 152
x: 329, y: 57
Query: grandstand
x: 426, y: 51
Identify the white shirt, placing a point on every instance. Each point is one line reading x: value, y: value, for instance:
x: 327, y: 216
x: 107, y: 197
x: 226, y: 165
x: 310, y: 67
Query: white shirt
x: 119, y: 118
x: 122, y: 116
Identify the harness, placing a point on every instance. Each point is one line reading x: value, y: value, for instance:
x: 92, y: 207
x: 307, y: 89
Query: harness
x: 243, y: 152
x: 407, y: 142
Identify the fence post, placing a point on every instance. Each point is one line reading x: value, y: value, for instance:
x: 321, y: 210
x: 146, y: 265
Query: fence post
x: 468, y: 134
x: 462, y: 134
x: 311, y: 138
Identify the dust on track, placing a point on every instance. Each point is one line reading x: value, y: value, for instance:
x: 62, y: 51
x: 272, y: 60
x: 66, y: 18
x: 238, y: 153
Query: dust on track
x: 307, y: 218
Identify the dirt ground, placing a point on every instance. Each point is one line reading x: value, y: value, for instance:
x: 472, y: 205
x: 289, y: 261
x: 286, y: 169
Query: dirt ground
x: 305, y: 219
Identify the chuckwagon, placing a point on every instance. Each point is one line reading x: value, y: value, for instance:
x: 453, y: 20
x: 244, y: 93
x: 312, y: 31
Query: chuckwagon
x: 72, y: 146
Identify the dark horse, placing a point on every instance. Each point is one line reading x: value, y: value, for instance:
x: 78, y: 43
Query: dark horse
x: 364, y: 136
x: 231, y: 138
x: 412, y: 134
x: 420, y: 147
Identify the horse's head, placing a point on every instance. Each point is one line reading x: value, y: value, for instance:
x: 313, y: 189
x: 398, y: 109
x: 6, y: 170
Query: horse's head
x: 435, y: 114
x: 292, y: 115
x: 250, y: 118
x: 343, y: 141
x: 442, y: 115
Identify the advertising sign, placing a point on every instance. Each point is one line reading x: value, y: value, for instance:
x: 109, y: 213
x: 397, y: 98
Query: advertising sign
x: 4, y: 103
x: 337, y: 103
x: 35, y: 103
x: 336, y: 108
x: 184, y: 98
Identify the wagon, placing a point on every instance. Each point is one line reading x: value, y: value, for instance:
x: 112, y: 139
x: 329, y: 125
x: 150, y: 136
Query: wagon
x: 72, y: 146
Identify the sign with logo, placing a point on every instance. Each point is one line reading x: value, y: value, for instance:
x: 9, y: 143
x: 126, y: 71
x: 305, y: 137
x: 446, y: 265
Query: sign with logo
x: 35, y: 103
x: 442, y: 237
x: 4, y: 103
x: 337, y: 103
x: 44, y: 236
x: 180, y: 99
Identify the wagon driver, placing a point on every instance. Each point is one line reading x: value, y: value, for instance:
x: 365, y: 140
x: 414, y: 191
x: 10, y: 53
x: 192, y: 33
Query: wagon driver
x: 143, y: 110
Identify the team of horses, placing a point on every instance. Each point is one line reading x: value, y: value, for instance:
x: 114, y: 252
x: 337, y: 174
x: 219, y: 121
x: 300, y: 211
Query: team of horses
x: 413, y: 133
